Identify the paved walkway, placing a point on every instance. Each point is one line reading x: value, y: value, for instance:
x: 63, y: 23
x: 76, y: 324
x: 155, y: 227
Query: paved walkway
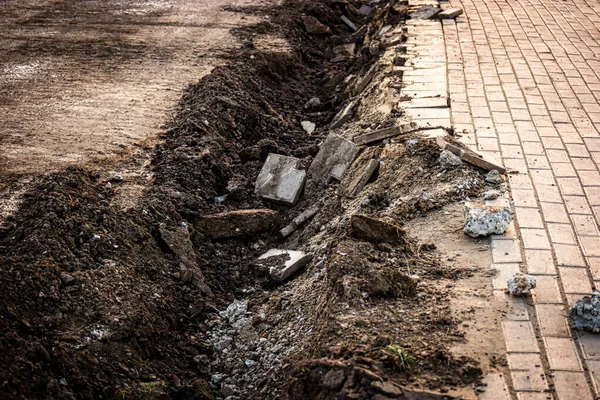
x: 524, y: 83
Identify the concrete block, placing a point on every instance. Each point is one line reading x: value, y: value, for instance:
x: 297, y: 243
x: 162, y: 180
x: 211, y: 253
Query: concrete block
x: 450, y: 13
x: 426, y: 12
x: 360, y: 172
x: 385, y: 133
x: 343, y: 115
x: 283, y: 263
x: 334, y: 158
x: 280, y: 179
x: 237, y: 223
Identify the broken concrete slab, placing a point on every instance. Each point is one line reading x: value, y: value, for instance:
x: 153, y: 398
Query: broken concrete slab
x: 238, y: 223
x: 425, y: 12
x: 482, y: 220
x: 450, y: 13
x: 343, y: 115
x: 349, y: 23
x: 469, y: 156
x: 585, y: 313
x: 385, y: 133
x: 282, y: 264
x: 334, y: 158
x: 449, y: 161
x: 521, y: 284
x: 280, y: 179
x: 376, y: 229
x: 365, y: 10
x: 309, y: 127
x: 360, y: 172
x: 299, y: 221
x: 314, y: 26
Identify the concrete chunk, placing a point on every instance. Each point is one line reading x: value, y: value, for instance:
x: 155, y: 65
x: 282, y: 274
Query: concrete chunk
x: 520, y: 284
x: 283, y: 263
x: 299, y: 221
x: 450, y: 13
x: 334, y: 158
x: 585, y: 314
x: 360, y: 172
x: 280, y: 179
x: 482, y: 220
x: 479, y: 160
x: 349, y: 23
x: 426, y: 12
x: 238, y: 223
x: 343, y: 115
x: 385, y: 133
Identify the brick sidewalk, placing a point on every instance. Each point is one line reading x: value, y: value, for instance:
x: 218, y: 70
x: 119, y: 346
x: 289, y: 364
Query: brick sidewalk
x: 524, y: 84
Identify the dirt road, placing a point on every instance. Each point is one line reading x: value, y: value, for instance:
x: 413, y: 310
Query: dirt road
x: 83, y: 81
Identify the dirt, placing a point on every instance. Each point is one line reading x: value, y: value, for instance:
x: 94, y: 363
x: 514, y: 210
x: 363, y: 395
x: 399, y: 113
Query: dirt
x: 103, y: 297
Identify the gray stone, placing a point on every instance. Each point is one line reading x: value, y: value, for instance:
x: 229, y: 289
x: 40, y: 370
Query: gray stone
x: 491, y: 195
x: 449, y: 160
x: 520, y: 284
x: 299, y: 221
x: 493, y: 177
x: 482, y: 220
x: 349, y: 23
x: 314, y: 26
x: 365, y: 10
x: 374, y: 47
x: 280, y: 179
x: 585, y: 314
x: 450, y: 13
x: 345, y: 49
x: 426, y: 12
x: 343, y: 115
x: 283, y: 263
x: 334, y: 158
x: 313, y: 103
x: 308, y: 126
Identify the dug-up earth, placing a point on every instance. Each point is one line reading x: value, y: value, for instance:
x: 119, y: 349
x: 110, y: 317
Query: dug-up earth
x: 159, y: 299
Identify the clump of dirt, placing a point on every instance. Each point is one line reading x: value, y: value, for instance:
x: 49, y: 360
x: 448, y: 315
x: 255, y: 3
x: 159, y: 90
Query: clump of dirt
x: 98, y: 301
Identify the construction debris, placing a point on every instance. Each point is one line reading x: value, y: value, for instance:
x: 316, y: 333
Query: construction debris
x: 238, y: 223
x: 585, y: 313
x: 349, y: 23
x: 343, y: 115
x: 450, y: 13
x: 426, y: 12
x: 365, y: 10
x: 314, y: 26
x: 385, y: 133
x: 449, y: 160
x: 309, y: 127
x: 364, y: 81
x: 334, y: 158
x: 482, y: 220
x: 521, y: 284
x: 282, y: 264
x: 299, y: 221
x: 376, y: 230
x: 360, y: 172
x: 280, y: 179
x: 469, y: 156
x: 493, y: 177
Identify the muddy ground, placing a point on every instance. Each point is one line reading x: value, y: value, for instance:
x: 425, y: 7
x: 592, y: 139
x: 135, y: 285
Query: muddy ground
x: 105, y: 296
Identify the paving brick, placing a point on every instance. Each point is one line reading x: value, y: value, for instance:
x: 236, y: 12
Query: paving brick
x: 548, y: 193
x: 505, y: 272
x: 540, y: 262
x: 552, y: 320
x: 561, y: 233
x: 590, y: 245
x: 593, y: 195
x: 546, y: 291
x: 589, y: 178
x: 589, y: 344
x: 542, y: 177
x: 577, y: 205
x: 575, y: 280
x: 594, y: 368
x: 585, y: 225
x: 506, y: 251
x: 570, y: 186
x: 529, y: 217
x: 563, y: 170
x: 533, y: 396
x: 535, y: 239
x: 524, y: 197
x: 583, y: 164
x: 554, y: 212
x: 569, y: 255
x: 571, y: 385
x: 495, y: 388
x: 519, y: 337
x: 562, y: 354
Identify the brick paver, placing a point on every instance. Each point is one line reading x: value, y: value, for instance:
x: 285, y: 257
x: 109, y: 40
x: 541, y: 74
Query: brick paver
x: 524, y: 86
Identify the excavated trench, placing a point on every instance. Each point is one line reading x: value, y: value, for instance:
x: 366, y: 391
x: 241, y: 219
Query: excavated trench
x: 151, y: 301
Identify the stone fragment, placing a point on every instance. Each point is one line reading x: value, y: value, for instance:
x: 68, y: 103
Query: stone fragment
x: 365, y: 10
x: 385, y: 133
x: 238, y: 223
x: 468, y: 156
x: 349, y: 23
x: 385, y: 30
x: 376, y: 229
x: 491, y: 195
x: 392, y: 41
x: 520, y: 284
x: 374, y: 47
x: 345, y: 49
x: 280, y: 179
x: 299, y: 221
x: 426, y: 12
x: 360, y: 172
x: 585, y: 313
x: 365, y: 79
x: 309, y: 127
x: 334, y: 158
x: 482, y: 220
x: 449, y: 160
x: 343, y: 115
x: 314, y: 26
x: 450, y: 13
x: 313, y: 103
x: 282, y: 264
x: 493, y: 177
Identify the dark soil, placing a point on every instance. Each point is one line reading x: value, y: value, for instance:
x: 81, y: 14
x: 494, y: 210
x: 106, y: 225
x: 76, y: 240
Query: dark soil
x: 96, y: 303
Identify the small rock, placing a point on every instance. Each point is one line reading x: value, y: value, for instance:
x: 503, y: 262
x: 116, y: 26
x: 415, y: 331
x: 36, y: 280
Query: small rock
x: 491, y: 195
x: 585, y: 313
x: 449, y: 160
x: 108, y: 185
x: 313, y: 103
x: 481, y: 220
x: 116, y: 178
x: 521, y: 284
x: 314, y: 26
x: 349, y: 23
x: 308, y: 126
x: 365, y: 10
x: 493, y: 177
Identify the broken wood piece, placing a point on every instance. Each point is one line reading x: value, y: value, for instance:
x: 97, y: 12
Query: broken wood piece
x: 385, y: 133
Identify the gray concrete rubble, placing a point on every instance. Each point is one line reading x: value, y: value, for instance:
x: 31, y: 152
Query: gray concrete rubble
x: 314, y: 26
x: 365, y: 10
x: 237, y: 223
x: 449, y: 161
x: 585, y: 314
x: 479, y: 160
x: 493, y: 177
x: 300, y: 220
x: 280, y: 179
x: 347, y: 49
x: 482, y: 220
x: 450, y: 13
x: 344, y: 115
x: 385, y: 133
x: 282, y: 264
x: 313, y: 103
x: 349, y: 23
x: 309, y: 127
x: 425, y: 12
x: 521, y: 284
x: 334, y: 158
x: 360, y: 172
